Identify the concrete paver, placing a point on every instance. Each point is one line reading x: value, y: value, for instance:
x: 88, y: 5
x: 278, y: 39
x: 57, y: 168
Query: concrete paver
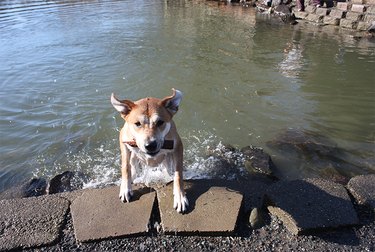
x: 363, y: 189
x: 305, y: 205
x: 99, y: 213
x: 31, y: 222
x: 211, y: 209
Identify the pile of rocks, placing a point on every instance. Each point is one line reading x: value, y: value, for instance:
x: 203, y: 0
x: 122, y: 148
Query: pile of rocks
x: 356, y: 14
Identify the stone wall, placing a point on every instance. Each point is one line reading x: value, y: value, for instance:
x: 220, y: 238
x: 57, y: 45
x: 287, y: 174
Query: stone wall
x: 356, y: 14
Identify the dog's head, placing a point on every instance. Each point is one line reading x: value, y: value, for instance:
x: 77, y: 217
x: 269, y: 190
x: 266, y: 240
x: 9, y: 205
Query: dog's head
x: 148, y: 120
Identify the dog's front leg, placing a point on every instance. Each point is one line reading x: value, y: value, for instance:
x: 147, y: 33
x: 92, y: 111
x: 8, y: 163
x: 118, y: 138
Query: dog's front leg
x: 126, y: 188
x: 180, y: 201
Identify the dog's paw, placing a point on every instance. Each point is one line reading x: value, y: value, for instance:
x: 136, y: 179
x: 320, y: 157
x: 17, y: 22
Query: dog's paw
x: 180, y: 202
x: 125, y: 193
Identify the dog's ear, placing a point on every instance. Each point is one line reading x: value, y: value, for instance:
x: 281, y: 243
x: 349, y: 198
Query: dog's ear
x: 122, y: 106
x: 172, y: 102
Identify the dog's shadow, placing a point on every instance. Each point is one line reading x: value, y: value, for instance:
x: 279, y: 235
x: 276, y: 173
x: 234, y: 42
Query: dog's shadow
x: 194, y: 190
x: 140, y: 191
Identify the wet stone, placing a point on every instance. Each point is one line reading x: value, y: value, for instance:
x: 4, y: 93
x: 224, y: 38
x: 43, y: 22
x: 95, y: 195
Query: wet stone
x: 30, y: 188
x: 31, y: 222
x: 212, y: 210
x: 99, y: 213
x: 256, y: 160
x: 311, y: 204
x: 363, y: 189
x: 66, y: 182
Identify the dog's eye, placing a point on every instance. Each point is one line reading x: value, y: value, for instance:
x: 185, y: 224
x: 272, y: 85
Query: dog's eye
x: 138, y: 124
x: 159, y: 123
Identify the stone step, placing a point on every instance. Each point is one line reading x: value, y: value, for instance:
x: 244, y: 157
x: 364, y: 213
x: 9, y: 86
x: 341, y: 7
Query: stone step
x: 312, y: 204
x: 31, y: 222
x: 212, y: 210
x: 99, y: 213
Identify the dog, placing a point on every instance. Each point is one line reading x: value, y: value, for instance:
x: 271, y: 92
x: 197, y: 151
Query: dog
x: 148, y: 128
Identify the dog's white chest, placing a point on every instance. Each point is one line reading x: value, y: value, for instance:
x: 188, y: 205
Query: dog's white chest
x: 155, y: 170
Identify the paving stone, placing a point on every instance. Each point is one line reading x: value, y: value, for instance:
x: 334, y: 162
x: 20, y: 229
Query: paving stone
x: 358, y: 8
x: 331, y: 20
x: 357, y: 1
x: 212, y: 210
x: 99, y: 213
x: 306, y: 205
x: 337, y: 13
x: 363, y: 189
x: 343, y: 6
x: 31, y: 222
x: 347, y: 23
x: 355, y: 16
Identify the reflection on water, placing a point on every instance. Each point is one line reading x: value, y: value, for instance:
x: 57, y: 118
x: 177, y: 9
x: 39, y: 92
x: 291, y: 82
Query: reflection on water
x: 245, y: 80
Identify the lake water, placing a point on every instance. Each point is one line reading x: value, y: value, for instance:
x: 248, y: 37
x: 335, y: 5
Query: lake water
x: 246, y: 79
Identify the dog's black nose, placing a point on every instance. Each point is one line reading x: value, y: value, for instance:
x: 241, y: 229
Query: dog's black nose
x: 151, y: 146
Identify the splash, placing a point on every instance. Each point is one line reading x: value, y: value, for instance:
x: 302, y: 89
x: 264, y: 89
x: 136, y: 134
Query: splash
x: 205, y: 157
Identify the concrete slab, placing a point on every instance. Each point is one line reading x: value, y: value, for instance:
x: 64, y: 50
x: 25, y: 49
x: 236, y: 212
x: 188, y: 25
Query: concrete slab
x: 363, y: 189
x: 212, y: 210
x: 31, y: 222
x: 99, y: 214
x: 306, y: 205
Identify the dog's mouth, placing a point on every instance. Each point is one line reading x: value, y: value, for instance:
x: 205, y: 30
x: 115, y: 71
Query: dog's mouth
x: 152, y: 154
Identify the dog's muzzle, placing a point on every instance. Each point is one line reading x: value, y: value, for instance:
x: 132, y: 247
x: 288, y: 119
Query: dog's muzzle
x: 152, y: 148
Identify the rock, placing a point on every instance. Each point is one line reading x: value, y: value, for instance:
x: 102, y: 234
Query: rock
x: 363, y: 189
x: 316, y: 150
x: 65, y: 182
x: 31, y: 188
x: 99, y: 214
x: 256, y: 160
x: 212, y: 210
x: 334, y: 175
x: 371, y: 27
x: 305, y: 142
x: 223, y: 162
x: 311, y: 204
x: 256, y: 220
x: 31, y: 222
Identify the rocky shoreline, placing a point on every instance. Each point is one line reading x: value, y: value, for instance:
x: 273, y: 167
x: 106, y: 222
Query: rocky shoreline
x: 254, y: 211
x: 353, y: 15
x: 311, y: 214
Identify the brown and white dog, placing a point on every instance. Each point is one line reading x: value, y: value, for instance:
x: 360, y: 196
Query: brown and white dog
x: 148, y: 127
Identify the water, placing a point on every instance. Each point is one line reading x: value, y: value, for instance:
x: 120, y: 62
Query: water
x: 245, y: 79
